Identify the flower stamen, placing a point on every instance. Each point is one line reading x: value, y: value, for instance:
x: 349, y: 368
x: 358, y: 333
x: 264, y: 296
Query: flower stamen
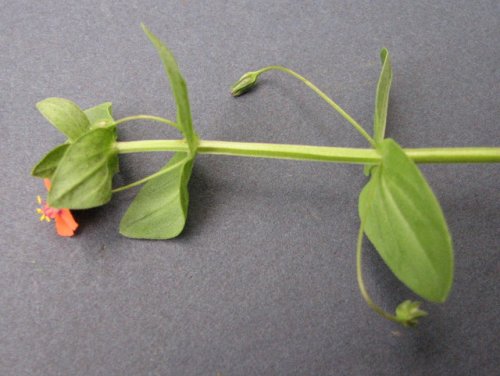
x: 65, y: 223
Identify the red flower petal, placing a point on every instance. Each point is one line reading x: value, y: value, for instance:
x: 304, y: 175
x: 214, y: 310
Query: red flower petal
x: 65, y: 223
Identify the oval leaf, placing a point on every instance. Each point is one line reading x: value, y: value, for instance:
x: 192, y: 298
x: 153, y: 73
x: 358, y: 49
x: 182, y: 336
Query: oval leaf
x: 179, y: 89
x: 382, y: 96
x: 403, y: 219
x: 65, y: 116
x: 159, y: 210
x: 48, y: 164
x: 83, y: 177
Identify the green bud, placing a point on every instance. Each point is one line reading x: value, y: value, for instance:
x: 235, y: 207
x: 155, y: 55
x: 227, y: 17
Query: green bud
x: 409, y: 312
x: 244, y: 84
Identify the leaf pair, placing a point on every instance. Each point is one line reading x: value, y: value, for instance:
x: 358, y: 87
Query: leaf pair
x: 400, y: 214
x: 81, y: 169
x: 68, y: 118
x: 160, y: 209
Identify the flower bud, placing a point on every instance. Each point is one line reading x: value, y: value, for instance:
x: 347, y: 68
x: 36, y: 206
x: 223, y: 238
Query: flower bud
x: 409, y: 312
x: 244, y: 84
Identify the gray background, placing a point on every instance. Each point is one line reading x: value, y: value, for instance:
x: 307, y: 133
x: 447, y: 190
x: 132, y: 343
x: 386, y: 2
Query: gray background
x: 262, y: 281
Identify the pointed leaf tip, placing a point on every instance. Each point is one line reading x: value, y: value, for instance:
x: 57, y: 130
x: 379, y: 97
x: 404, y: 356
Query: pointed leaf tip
x: 382, y: 96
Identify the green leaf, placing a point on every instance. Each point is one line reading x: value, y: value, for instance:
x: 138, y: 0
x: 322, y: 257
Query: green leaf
x: 159, y: 210
x: 403, y: 219
x: 83, y: 177
x: 382, y: 97
x: 179, y: 89
x: 100, y: 116
x: 48, y: 164
x: 65, y: 116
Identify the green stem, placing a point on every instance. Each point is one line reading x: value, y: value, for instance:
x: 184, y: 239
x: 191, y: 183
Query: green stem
x: 455, y: 155
x: 145, y: 146
x: 361, y: 284
x: 323, y: 96
x: 148, y: 117
x: 314, y: 153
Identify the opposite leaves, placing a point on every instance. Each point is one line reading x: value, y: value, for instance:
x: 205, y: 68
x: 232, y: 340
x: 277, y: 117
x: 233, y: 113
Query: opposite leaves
x: 403, y: 219
x: 159, y: 210
x: 98, y: 117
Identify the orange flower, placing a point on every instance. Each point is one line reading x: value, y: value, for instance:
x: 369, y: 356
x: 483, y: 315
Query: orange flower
x: 65, y: 223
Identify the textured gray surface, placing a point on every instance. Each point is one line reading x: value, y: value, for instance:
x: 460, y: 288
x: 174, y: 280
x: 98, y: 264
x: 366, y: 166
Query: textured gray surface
x: 262, y: 282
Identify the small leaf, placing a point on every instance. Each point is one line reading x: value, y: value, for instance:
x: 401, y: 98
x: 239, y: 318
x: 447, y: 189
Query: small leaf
x: 382, y: 97
x: 83, y: 177
x: 159, y: 210
x: 48, y: 164
x: 65, y: 116
x: 403, y: 219
x: 100, y: 116
x: 179, y: 89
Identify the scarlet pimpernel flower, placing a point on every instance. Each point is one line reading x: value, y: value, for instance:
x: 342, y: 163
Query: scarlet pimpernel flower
x: 65, y: 223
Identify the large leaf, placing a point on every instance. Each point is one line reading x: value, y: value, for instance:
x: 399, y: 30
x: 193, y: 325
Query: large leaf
x: 100, y: 116
x: 83, y: 177
x: 403, y: 219
x: 65, y: 116
x: 48, y: 164
x: 179, y: 89
x: 382, y: 97
x: 159, y: 210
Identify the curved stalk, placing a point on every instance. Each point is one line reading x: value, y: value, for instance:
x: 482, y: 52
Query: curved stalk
x: 148, y: 117
x: 323, y: 96
x: 359, y: 274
